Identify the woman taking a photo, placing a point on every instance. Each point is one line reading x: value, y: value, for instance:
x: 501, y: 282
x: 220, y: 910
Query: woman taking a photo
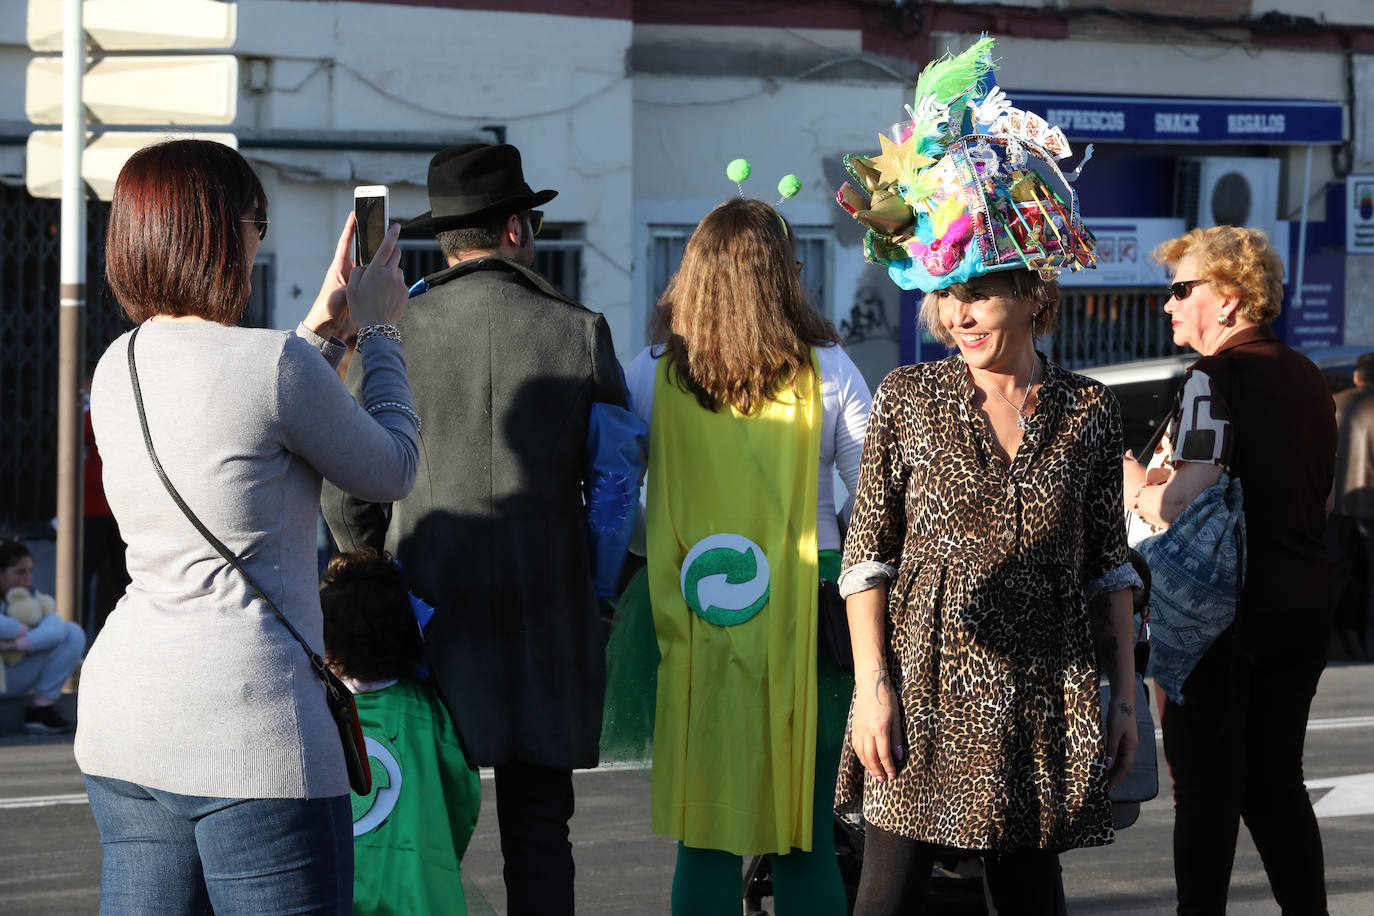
x: 752, y: 407
x: 1260, y: 410
x: 213, y: 765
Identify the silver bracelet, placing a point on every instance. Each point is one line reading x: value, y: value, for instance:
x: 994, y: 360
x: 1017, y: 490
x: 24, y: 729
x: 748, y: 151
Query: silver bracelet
x: 397, y: 405
x: 389, y: 331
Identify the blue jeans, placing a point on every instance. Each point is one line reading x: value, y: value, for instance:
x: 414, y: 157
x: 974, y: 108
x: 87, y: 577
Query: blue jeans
x: 166, y: 853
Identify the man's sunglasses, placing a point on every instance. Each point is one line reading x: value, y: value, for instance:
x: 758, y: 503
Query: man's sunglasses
x: 1182, y: 289
x: 259, y: 221
x: 536, y: 218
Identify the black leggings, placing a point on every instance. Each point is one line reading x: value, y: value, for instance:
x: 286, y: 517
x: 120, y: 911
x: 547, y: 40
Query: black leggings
x: 896, y: 875
x: 1235, y: 748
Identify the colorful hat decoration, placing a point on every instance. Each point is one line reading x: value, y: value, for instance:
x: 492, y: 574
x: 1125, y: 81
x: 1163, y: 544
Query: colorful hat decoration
x: 960, y: 189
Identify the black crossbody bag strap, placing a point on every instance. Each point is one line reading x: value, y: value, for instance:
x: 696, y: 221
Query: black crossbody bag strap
x: 225, y: 552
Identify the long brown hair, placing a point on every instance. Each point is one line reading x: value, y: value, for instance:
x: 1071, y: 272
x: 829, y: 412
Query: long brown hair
x: 735, y: 320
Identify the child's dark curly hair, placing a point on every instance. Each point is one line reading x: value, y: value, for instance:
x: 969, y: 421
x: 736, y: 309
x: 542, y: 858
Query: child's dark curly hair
x: 370, y: 633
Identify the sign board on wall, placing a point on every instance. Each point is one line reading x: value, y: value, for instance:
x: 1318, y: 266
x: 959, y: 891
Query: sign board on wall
x: 1150, y: 119
x: 1359, y: 214
x: 1320, y: 320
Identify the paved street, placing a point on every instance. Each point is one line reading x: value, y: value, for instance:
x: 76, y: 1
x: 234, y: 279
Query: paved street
x: 50, y: 857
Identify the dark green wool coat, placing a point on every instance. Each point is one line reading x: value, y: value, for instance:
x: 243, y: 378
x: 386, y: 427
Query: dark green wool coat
x: 504, y: 371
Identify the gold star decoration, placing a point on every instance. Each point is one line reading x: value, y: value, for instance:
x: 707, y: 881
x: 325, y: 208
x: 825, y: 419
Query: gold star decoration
x: 898, y: 161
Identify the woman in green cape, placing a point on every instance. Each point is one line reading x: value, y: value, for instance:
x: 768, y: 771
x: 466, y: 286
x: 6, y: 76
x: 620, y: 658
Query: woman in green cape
x: 752, y: 406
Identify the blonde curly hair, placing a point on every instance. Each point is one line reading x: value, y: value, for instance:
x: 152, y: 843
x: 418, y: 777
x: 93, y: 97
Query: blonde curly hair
x: 1237, y: 262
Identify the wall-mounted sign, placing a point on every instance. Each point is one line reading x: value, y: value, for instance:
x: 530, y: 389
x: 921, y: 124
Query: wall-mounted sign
x: 1148, y: 119
x: 1359, y: 214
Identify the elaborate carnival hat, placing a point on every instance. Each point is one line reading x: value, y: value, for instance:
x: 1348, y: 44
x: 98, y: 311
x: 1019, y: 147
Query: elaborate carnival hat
x: 968, y: 185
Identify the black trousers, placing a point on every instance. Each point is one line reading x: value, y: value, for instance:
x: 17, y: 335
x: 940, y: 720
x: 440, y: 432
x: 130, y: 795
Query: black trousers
x: 1235, y: 748
x: 533, y: 807
x: 896, y: 877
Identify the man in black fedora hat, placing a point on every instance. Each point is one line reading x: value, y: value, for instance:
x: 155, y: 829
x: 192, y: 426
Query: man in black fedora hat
x: 504, y: 370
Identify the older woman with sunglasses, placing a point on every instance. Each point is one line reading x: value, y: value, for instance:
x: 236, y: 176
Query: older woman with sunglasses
x: 1260, y: 409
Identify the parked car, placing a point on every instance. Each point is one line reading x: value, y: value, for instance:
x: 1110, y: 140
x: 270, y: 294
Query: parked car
x: 1146, y: 387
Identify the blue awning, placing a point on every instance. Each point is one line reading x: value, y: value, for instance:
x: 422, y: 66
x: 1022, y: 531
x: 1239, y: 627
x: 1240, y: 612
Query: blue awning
x: 1147, y: 119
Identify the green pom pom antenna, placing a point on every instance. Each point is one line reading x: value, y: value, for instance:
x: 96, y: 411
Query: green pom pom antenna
x: 789, y: 186
x: 738, y: 170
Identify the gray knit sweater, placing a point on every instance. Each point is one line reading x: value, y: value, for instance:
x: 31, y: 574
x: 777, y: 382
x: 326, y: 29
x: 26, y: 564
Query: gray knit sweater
x: 194, y: 686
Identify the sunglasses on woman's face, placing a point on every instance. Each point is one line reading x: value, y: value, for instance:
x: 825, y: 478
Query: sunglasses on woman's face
x: 260, y: 222
x: 1182, y: 289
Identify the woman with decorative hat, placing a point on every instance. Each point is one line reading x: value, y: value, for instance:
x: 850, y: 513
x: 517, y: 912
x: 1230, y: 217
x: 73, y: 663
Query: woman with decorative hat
x: 988, y: 512
x: 752, y: 407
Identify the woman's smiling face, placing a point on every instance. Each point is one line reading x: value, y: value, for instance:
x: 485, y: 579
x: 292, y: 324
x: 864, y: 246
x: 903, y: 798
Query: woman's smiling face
x: 991, y: 325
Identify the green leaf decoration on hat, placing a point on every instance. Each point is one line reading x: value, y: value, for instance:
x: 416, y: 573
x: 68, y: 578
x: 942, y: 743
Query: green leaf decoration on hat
x: 951, y: 78
x: 943, y: 90
x: 922, y: 187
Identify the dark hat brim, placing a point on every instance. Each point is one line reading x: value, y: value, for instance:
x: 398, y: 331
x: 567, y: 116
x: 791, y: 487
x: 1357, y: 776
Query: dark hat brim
x: 429, y: 224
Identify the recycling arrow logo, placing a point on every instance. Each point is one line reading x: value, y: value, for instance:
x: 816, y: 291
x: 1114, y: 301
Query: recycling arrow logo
x: 725, y: 579
x: 370, y: 811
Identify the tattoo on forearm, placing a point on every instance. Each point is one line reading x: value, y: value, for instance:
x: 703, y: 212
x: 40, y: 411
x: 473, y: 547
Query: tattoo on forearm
x: 1125, y: 709
x: 881, y: 671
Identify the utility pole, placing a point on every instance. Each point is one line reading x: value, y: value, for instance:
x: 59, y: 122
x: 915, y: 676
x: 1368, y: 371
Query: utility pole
x: 113, y: 89
x: 72, y: 324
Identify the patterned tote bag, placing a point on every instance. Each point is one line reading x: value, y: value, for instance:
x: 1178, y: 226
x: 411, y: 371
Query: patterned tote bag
x: 1198, y: 569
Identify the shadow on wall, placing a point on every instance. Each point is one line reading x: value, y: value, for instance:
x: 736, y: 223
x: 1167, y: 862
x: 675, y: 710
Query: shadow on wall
x: 872, y: 329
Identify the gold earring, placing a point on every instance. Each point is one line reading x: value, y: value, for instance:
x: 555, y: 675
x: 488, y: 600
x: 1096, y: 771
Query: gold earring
x: 1222, y: 319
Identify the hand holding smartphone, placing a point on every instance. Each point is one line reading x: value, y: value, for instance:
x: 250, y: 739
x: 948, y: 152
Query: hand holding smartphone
x: 370, y: 209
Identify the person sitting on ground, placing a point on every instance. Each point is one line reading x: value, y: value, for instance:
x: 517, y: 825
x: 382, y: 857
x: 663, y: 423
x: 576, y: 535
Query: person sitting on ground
x: 410, y: 833
x: 51, y: 649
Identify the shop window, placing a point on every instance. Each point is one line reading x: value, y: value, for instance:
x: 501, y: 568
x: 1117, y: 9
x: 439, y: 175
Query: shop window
x: 258, y: 314
x: 1110, y: 325
x: 667, y: 242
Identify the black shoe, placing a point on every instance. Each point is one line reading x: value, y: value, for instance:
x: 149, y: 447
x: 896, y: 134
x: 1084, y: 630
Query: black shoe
x: 46, y: 720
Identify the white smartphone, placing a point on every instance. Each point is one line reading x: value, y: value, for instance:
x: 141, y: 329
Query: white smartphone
x: 370, y: 206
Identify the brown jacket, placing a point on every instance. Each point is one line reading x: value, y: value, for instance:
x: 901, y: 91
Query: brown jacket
x: 1354, y: 490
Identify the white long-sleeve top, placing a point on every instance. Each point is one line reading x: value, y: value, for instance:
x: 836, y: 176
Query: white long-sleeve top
x: 845, y: 400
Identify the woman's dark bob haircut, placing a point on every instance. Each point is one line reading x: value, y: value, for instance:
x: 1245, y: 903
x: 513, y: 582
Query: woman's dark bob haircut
x: 175, y: 242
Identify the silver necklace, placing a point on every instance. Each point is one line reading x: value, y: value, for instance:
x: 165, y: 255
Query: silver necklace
x: 1021, y: 420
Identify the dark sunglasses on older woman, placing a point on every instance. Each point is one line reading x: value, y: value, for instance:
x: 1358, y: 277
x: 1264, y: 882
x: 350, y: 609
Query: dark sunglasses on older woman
x: 1182, y: 289
x: 260, y: 222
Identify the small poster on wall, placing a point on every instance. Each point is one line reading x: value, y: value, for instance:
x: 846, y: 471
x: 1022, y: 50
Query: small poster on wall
x: 1359, y: 214
x: 1123, y: 253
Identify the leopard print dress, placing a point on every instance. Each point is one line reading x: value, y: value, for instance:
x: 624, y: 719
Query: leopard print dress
x: 990, y: 648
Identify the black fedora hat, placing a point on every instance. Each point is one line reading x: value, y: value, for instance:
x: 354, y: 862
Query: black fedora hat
x: 472, y: 183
